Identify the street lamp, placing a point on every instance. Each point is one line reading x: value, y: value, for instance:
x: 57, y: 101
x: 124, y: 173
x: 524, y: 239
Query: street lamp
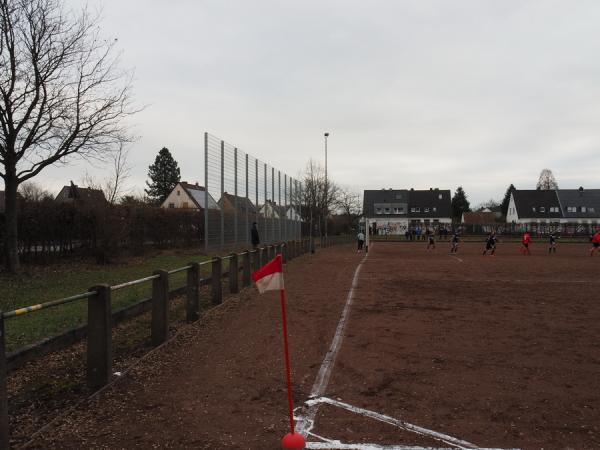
x: 326, y: 189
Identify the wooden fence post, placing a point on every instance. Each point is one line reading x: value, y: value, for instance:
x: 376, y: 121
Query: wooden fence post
x: 264, y: 256
x: 99, y: 337
x: 192, y: 305
x: 234, y: 273
x: 4, y: 432
x: 256, y: 258
x: 217, y: 271
x: 247, y: 270
x: 160, y: 307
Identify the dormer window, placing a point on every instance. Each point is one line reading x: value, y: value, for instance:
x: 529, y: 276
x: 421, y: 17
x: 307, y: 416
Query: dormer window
x: 542, y: 209
x: 426, y: 210
x: 440, y: 196
x: 583, y: 209
x: 533, y: 208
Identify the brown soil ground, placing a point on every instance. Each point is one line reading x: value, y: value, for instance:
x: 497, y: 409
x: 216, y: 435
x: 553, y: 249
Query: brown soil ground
x: 500, y: 351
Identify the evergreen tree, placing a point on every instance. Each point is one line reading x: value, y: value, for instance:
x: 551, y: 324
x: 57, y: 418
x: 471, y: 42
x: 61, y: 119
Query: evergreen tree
x: 164, y: 175
x: 506, y: 199
x: 460, y: 204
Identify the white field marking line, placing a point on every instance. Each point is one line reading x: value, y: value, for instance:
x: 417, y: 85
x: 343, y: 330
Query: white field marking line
x: 395, y: 422
x: 306, y: 422
x: 446, y: 439
x: 456, y: 257
x: 339, y: 445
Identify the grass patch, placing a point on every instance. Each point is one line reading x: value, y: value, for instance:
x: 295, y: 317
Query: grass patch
x: 46, y: 283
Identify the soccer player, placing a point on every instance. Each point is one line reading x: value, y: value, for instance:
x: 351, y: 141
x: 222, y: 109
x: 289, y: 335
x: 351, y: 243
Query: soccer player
x: 525, y: 242
x: 595, y: 243
x: 490, y: 244
x: 360, y: 238
x: 552, y: 247
x: 455, y: 241
x: 431, y: 238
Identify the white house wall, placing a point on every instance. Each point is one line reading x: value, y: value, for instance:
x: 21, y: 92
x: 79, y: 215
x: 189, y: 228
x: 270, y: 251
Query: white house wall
x: 179, y: 200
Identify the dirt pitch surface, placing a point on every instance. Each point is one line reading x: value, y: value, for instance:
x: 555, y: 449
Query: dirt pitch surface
x: 500, y: 352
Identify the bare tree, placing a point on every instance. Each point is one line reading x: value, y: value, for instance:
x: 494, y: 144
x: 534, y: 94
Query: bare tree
x: 317, y: 199
x: 33, y: 192
x: 348, y: 203
x: 546, y: 182
x: 61, y: 94
x: 114, y: 186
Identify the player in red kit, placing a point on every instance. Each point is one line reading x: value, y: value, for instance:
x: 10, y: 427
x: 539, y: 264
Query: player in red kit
x: 526, y: 241
x: 595, y: 243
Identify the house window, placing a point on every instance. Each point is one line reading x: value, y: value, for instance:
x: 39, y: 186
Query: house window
x: 533, y: 208
x: 440, y: 196
x: 417, y: 209
x: 542, y: 209
x: 186, y: 205
x: 434, y: 209
x: 591, y: 209
x: 426, y: 209
x: 387, y: 210
x: 398, y: 210
x: 398, y: 196
x: 178, y: 192
x: 378, y: 211
x: 583, y: 209
x: 412, y: 209
x: 171, y: 205
x: 571, y: 209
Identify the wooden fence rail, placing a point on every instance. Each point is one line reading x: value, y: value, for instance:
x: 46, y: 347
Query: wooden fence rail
x: 101, y: 318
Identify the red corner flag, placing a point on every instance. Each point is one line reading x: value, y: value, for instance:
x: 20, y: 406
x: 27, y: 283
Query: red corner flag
x: 270, y: 278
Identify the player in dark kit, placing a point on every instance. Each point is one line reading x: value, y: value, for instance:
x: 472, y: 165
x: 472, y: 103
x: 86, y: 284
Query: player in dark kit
x: 490, y: 244
x: 552, y: 243
x: 431, y: 239
x: 455, y: 241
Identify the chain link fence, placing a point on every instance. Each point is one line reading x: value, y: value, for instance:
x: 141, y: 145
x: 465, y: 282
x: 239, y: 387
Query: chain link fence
x: 240, y: 191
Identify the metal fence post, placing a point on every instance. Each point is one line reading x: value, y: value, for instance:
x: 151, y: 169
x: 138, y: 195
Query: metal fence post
x: 246, y: 272
x: 99, y: 337
x: 216, y: 291
x: 222, y: 191
x: 206, y: 192
x: 235, y: 198
x: 160, y: 307
x: 4, y: 431
x: 234, y: 274
x: 192, y: 305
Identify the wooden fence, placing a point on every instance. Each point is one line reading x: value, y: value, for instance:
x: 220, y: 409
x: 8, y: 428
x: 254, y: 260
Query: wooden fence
x: 101, y: 318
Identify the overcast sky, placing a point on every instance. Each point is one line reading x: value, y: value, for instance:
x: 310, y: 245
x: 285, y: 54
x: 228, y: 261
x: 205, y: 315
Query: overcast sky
x: 414, y: 93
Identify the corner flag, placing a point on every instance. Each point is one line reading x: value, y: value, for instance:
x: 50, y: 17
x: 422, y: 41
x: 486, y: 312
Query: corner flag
x: 270, y: 276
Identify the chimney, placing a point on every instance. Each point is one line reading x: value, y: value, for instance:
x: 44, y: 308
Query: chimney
x: 581, y: 191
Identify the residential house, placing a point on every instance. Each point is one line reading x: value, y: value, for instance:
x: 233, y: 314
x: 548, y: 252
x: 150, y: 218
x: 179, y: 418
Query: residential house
x: 270, y: 210
x: 189, y: 196
x: 232, y: 203
x: 580, y: 205
x: 479, y: 217
x: 554, y: 206
x: 81, y: 196
x: 393, y: 211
